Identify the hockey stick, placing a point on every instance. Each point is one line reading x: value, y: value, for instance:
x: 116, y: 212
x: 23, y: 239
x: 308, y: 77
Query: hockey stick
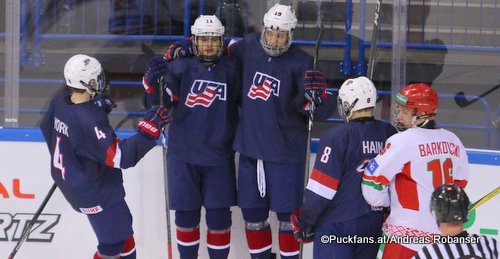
x: 462, y: 102
x: 165, y: 179
x: 373, y: 43
x: 27, y: 230
x: 484, y: 199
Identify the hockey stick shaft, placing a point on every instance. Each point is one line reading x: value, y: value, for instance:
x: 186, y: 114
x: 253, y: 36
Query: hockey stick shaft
x: 27, y: 230
x: 462, y: 102
x: 484, y: 199
x: 165, y: 177
x: 373, y: 43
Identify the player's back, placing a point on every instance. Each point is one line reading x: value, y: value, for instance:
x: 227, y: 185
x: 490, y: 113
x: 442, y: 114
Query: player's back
x: 419, y: 160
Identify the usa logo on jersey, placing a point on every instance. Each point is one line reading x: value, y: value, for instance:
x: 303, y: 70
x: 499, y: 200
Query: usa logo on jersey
x: 204, y: 92
x: 263, y: 85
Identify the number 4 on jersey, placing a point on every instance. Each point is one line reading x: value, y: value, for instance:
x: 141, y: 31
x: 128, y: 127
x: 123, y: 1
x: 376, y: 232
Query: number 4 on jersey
x: 57, y: 160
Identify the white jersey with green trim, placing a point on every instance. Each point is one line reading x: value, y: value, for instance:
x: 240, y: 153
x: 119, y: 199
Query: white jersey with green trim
x: 404, y: 175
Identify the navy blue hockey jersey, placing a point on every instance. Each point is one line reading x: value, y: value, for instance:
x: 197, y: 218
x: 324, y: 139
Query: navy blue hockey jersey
x: 333, y: 192
x: 273, y: 125
x: 204, y: 109
x: 87, y: 155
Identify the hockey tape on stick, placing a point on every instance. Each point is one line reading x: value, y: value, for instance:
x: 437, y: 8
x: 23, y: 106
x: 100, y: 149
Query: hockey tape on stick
x: 27, y: 230
x: 463, y: 102
x: 486, y: 198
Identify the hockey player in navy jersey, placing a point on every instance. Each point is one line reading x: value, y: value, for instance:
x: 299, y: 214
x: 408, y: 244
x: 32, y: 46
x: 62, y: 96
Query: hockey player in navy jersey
x: 86, y: 155
x: 203, y: 91
x: 279, y: 87
x: 333, y: 201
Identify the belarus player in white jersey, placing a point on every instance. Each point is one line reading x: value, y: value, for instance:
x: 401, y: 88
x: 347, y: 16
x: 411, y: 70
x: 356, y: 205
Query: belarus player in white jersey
x: 412, y: 165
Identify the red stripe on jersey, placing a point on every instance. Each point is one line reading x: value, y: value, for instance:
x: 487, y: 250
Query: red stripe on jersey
x: 288, y: 243
x: 406, y: 188
x: 461, y: 183
x: 188, y: 236
x: 218, y: 238
x: 258, y: 239
x: 110, y: 153
x: 377, y: 179
x: 324, y: 179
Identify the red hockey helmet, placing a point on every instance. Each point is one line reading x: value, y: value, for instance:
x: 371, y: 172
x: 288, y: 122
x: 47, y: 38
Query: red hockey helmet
x: 420, y: 97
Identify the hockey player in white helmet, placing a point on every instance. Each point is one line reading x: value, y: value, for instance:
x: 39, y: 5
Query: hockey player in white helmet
x: 208, y: 38
x: 204, y: 91
x: 87, y: 156
x: 277, y: 32
x: 280, y: 85
x: 333, y: 202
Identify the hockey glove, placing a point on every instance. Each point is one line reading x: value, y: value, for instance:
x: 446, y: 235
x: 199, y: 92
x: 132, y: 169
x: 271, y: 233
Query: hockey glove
x: 153, y: 121
x: 104, y: 103
x: 302, y: 232
x: 183, y: 48
x: 315, y: 88
x: 153, y: 76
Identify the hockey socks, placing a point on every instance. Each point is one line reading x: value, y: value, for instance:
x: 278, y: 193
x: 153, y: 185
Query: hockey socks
x: 218, y: 243
x: 259, y: 239
x: 127, y: 250
x: 289, y: 247
x: 188, y: 242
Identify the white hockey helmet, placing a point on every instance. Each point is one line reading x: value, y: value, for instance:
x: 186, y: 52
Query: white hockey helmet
x: 84, y: 72
x: 282, y: 18
x: 354, y: 95
x: 207, y: 25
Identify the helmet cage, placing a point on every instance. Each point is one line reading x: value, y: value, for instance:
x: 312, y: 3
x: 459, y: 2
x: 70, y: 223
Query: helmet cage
x: 279, y: 18
x: 209, y: 26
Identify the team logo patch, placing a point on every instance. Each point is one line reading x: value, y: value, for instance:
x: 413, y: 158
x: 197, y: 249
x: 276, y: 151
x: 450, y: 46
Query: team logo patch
x: 262, y: 86
x: 204, y: 92
x: 372, y: 166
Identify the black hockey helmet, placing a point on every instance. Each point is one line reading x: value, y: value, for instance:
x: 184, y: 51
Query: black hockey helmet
x: 449, y: 204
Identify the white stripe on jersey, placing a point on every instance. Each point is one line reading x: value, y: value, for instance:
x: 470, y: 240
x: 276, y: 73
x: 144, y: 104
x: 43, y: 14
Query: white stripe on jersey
x: 320, y: 189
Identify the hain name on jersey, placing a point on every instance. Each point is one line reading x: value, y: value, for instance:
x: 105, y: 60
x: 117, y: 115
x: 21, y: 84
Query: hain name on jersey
x: 204, y: 92
x: 263, y: 85
x: 372, y: 147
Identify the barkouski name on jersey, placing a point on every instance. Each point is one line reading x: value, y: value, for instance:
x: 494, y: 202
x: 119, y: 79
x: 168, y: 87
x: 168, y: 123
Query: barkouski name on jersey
x: 263, y: 85
x: 204, y: 92
x: 438, y: 148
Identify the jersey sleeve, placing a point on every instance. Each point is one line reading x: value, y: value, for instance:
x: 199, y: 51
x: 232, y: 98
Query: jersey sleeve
x: 324, y: 179
x: 100, y: 143
x: 461, y: 176
x: 379, y: 172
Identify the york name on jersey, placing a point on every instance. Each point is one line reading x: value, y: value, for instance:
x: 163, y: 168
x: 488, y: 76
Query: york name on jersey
x: 204, y: 92
x: 263, y: 85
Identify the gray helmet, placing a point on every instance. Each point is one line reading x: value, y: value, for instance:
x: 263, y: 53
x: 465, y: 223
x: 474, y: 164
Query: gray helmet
x: 449, y: 204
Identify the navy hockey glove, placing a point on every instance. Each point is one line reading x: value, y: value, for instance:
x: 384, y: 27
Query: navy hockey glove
x: 302, y: 232
x: 153, y: 76
x: 183, y: 48
x: 104, y: 103
x: 153, y: 121
x: 315, y: 88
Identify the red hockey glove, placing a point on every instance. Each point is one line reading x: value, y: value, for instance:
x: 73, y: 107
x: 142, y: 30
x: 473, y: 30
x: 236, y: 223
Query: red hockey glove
x: 153, y: 76
x: 315, y: 87
x: 183, y: 48
x: 104, y: 103
x: 153, y: 121
x: 302, y: 232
